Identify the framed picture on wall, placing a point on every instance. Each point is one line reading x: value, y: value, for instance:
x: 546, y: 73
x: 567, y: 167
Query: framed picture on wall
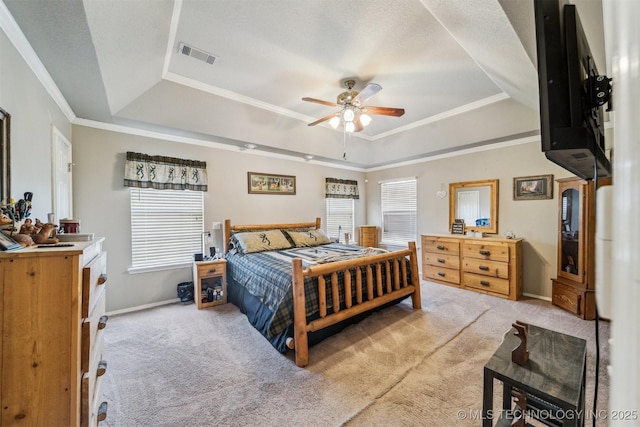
x: 533, y: 187
x: 264, y: 183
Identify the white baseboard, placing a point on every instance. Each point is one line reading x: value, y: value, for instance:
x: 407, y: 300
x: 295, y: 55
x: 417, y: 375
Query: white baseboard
x: 143, y: 307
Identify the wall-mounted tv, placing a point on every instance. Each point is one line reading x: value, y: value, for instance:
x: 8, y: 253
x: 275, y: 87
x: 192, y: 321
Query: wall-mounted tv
x: 571, y: 92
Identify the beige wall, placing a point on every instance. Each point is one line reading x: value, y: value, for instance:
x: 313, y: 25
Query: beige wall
x: 533, y: 220
x: 33, y: 113
x: 101, y: 201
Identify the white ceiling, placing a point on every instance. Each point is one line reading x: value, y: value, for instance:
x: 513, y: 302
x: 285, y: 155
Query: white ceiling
x: 463, y: 70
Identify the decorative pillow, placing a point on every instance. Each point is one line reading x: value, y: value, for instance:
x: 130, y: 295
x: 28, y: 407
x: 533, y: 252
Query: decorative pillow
x: 308, y: 238
x: 259, y: 241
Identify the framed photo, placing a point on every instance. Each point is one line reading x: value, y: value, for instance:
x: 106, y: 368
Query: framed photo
x: 7, y: 243
x: 533, y: 187
x: 264, y: 183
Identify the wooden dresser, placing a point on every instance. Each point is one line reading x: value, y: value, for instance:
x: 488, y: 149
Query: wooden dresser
x: 52, y: 321
x: 490, y: 265
x: 368, y: 236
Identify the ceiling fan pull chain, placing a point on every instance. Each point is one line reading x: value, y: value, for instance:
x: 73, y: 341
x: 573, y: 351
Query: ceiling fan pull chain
x: 344, y: 145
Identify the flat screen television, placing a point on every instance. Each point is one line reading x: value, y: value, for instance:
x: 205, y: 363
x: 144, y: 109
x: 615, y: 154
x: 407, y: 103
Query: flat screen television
x: 571, y: 92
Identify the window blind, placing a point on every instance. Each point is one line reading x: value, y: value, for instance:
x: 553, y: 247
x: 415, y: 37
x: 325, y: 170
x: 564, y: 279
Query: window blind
x: 166, y: 227
x: 339, y: 218
x: 399, y: 206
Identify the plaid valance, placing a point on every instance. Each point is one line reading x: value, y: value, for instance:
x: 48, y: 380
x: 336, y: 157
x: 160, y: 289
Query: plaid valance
x: 341, y: 189
x: 164, y: 173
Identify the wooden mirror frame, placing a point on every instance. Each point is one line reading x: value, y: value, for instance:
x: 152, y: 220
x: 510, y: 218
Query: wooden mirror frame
x: 5, y: 156
x: 493, y: 191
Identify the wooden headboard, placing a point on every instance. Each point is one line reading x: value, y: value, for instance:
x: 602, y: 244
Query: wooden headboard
x: 230, y: 229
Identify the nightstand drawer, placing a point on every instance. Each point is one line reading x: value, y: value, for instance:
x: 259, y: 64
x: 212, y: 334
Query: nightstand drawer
x: 212, y: 269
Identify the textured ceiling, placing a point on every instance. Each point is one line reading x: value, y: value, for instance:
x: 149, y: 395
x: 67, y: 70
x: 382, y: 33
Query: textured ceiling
x: 463, y: 70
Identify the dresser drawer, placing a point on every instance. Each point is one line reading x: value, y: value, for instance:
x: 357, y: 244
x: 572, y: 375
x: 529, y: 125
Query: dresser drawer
x: 93, y: 279
x: 486, y: 283
x: 442, y: 260
x: 486, y: 267
x: 440, y: 246
x: 488, y: 251
x: 91, y: 391
x: 92, y: 335
x: 443, y: 274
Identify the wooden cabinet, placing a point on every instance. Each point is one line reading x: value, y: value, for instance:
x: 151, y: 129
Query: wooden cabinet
x: 368, y: 236
x: 489, y: 265
x: 52, y: 321
x: 210, y: 283
x: 574, y: 288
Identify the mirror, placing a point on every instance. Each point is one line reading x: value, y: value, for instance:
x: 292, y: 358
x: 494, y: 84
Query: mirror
x: 475, y: 202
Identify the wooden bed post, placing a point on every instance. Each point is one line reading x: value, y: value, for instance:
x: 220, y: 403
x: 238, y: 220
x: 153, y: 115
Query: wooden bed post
x: 415, y: 277
x: 227, y: 235
x: 299, y: 315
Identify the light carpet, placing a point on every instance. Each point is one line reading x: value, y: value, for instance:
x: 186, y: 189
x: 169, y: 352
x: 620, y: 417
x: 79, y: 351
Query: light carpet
x: 175, y: 365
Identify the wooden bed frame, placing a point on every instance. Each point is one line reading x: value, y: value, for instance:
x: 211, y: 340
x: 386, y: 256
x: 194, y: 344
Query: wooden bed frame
x: 406, y: 282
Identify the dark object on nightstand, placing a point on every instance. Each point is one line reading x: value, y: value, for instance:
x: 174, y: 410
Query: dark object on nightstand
x: 520, y: 354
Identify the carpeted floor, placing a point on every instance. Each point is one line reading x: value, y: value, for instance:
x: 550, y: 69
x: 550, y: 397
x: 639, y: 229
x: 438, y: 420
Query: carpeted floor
x: 178, y: 366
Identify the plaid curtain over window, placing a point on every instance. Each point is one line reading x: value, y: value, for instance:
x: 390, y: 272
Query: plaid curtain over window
x: 341, y: 189
x: 164, y: 173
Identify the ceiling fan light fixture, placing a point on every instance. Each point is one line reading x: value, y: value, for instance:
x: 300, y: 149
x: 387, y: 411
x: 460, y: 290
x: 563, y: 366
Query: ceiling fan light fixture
x: 365, y: 119
x: 335, y: 122
x: 348, y: 115
x: 349, y: 127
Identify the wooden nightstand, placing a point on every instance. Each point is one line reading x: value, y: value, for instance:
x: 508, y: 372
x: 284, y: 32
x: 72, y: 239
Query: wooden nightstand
x: 368, y: 236
x: 210, y: 283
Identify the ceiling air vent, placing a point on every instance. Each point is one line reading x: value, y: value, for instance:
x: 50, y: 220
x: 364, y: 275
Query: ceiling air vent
x: 197, y: 53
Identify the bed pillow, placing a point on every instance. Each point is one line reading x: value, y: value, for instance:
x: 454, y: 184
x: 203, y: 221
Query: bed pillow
x: 259, y: 241
x: 308, y: 238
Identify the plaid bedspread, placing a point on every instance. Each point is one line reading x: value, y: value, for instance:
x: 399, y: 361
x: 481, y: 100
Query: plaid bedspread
x: 267, y: 276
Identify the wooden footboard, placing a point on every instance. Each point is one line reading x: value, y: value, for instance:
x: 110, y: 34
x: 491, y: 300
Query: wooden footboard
x: 372, y: 294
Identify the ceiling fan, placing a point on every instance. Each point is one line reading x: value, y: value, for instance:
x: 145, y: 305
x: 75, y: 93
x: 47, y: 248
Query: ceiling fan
x: 353, y: 113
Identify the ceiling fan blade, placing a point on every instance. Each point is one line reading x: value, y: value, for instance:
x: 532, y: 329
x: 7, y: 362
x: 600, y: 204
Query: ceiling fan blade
x: 384, y: 111
x: 366, y: 93
x: 357, y: 125
x: 320, y: 101
x: 324, y: 119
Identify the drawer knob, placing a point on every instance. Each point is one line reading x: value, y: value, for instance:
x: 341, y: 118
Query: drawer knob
x: 213, y: 270
x: 485, y: 253
x: 440, y: 248
x: 102, y: 368
x: 483, y: 267
x: 102, y: 412
x: 441, y: 260
x: 102, y: 279
x: 485, y: 283
x: 441, y: 274
x: 102, y: 323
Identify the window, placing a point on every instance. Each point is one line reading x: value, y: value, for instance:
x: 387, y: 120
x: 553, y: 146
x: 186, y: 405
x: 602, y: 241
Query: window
x: 399, y: 206
x: 339, y: 218
x: 166, y: 227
